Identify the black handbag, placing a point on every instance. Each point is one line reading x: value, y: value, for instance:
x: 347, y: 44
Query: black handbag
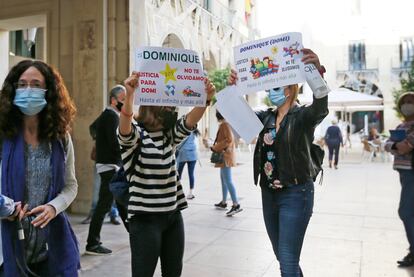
x: 217, y: 158
x: 119, y: 186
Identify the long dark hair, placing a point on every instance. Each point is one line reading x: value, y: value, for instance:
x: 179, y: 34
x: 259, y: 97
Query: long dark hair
x: 54, y: 120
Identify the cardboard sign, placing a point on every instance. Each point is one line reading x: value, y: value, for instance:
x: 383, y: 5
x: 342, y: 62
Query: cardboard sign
x: 169, y: 77
x: 238, y: 113
x: 269, y: 63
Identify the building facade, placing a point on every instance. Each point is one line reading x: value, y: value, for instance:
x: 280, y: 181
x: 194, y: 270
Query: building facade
x: 91, y: 43
x: 365, y: 53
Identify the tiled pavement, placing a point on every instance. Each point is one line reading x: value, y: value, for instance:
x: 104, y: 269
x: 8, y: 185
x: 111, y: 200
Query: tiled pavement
x: 354, y: 231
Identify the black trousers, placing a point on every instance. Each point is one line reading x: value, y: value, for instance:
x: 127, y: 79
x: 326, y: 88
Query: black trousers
x: 334, y: 152
x: 154, y: 236
x: 102, y: 208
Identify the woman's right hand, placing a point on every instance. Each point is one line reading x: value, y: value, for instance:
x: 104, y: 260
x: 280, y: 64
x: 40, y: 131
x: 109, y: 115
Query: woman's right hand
x: 132, y: 83
x: 19, y: 211
x: 232, y: 78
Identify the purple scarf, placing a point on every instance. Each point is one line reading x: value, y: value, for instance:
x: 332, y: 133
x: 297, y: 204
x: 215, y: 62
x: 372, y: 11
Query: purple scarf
x: 63, y: 253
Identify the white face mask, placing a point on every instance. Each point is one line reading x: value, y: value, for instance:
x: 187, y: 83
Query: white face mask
x: 407, y: 109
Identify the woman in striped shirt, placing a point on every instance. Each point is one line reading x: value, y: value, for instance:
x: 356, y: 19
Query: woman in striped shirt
x: 156, y: 196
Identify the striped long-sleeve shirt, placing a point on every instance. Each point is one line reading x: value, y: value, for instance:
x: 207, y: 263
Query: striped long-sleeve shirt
x: 154, y: 183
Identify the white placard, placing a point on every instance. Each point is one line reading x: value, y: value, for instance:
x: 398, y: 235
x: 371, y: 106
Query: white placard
x: 270, y: 62
x: 238, y: 113
x: 169, y: 77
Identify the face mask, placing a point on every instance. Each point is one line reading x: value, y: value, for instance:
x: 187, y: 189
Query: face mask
x: 407, y: 109
x: 30, y: 101
x: 277, y: 96
x: 119, y: 105
x: 169, y: 118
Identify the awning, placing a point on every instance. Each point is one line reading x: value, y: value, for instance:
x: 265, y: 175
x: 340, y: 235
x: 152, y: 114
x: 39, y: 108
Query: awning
x: 344, y: 99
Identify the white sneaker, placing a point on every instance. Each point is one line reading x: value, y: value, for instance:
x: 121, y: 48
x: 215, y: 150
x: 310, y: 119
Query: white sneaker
x: 190, y: 196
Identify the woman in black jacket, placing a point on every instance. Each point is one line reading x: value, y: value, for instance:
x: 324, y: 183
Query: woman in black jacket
x: 283, y: 161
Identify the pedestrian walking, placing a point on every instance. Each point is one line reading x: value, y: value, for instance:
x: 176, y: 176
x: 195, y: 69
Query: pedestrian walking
x: 156, y: 196
x: 187, y: 153
x: 37, y: 169
x: 333, y: 139
x: 282, y: 163
x: 348, y: 135
x: 224, y: 143
x: 402, y: 149
x: 108, y: 161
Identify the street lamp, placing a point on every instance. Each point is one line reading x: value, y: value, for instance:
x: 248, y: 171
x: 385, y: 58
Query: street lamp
x: 29, y: 36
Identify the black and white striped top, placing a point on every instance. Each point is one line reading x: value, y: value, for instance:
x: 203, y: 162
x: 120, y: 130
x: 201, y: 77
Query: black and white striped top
x: 154, y: 181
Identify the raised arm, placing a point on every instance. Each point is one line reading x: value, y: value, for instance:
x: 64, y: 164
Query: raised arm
x: 197, y: 112
x: 318, y: 110
x: 125, y: 120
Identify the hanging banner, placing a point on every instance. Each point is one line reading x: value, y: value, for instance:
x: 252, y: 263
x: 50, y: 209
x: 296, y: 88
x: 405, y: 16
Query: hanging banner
x: 169, y: 77
x: 270, y: 62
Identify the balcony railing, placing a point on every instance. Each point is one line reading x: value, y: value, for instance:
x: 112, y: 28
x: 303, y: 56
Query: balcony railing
x: 399, y: 69
x: 369, y: 73
x: 216, y: 12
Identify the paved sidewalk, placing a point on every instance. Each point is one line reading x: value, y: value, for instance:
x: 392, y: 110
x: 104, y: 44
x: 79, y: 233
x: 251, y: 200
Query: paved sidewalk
x: 354, y: 231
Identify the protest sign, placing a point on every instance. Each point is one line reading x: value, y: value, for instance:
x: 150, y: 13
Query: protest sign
x: 269, y: 63
x: 169, y: 77
x: 238, y: 113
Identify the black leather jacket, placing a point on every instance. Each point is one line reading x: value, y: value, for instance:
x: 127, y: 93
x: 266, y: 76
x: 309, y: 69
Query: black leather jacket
x: 292, y: 143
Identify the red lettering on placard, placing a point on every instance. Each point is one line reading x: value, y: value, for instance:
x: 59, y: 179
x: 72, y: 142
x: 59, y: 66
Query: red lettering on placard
x: 148, y: 90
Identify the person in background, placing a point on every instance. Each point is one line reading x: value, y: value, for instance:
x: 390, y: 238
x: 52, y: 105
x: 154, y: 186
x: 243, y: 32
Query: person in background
x: 108, y: 161
x: 404, y: 164
x: 225, y: 143
x: 333, y: 138
x: 188, y: 154
x: 38, y: 169
x: 113, y: 213
x: 281, y: 165
x: 156, y: 198
x: 374, y: 136
x: 348, y: 135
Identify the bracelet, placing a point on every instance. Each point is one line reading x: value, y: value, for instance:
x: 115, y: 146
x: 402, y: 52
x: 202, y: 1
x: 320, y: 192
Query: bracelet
x: 322, y: 70
x: 127, y: 114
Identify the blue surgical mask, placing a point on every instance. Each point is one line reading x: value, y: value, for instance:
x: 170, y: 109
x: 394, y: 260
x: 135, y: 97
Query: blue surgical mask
x: 277, y: 96
x: 30, y: 101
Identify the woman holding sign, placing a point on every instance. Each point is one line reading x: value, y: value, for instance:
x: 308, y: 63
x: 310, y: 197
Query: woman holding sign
x: 282, y: 159
x: 401, y: 145
x: 156, y: 196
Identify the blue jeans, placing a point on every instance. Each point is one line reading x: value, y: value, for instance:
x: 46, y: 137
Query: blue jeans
x: 286, y: 214
x: 227, y: 184
x: 96, y: 186
x: 406, y: 208
x: 190, y: 166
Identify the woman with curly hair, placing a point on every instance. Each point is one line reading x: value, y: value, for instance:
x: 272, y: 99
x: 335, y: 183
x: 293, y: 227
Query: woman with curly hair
x: 37, y: 169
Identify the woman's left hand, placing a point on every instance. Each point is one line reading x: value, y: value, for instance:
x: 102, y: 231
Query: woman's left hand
x: 210, y: 89
x: 310, y: 57
x: 403, y: 147
x: 45, y: 213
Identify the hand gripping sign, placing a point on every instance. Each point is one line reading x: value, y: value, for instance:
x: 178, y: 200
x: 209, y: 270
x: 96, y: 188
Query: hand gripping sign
x: 169, y: 77
x: 270, y: 62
